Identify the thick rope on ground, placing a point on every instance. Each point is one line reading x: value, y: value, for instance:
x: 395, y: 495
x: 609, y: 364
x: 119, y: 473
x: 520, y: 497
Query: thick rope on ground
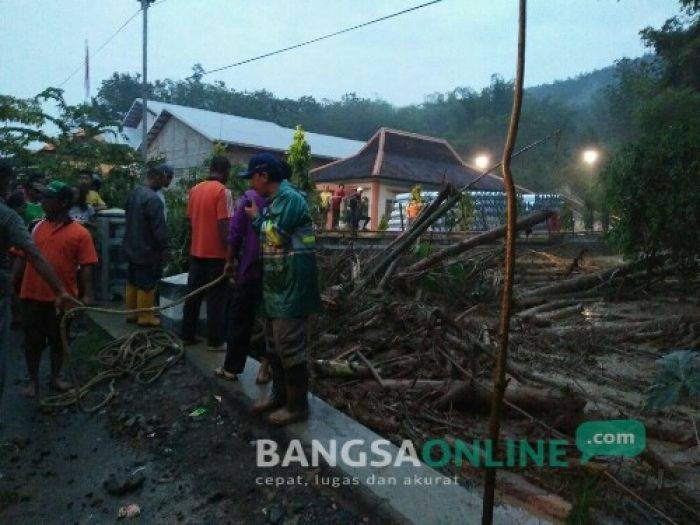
x: 133, y: 355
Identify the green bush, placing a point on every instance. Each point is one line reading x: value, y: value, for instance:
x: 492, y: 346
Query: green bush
x: 117, y: 185
x: 652, y: 188
x: 567, y: 217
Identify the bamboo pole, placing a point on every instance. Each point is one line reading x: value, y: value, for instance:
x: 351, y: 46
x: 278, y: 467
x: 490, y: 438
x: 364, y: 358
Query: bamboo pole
x: 509, y: 266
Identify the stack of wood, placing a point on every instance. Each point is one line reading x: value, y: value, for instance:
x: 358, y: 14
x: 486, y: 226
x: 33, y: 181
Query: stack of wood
x: 410, y: 364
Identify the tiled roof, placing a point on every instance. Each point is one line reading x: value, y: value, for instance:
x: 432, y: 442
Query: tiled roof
x: 402, y: 156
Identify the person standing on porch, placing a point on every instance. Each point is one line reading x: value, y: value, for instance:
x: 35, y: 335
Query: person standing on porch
x: 336, y: 201
x: 326, y: 207
x: 209, y: 210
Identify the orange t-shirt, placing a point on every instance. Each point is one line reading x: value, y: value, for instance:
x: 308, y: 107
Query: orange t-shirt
x: 65, y: 247
x: 414, y: 208
x: 209, y: 202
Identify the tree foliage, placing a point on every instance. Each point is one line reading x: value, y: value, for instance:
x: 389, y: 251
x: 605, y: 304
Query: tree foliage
x: 651, y: 184
x: 61, y: 142
x: 652, y: 187
x: 471, y: 120
x: 299, y: 159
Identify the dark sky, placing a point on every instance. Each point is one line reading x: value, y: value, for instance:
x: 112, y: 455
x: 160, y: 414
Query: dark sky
x: 454, y: 43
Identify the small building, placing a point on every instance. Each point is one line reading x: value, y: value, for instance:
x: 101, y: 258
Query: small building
x: 393, y: 162
x: 185, y: 136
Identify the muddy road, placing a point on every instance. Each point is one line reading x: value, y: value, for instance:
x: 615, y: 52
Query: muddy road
x: 153, y: 453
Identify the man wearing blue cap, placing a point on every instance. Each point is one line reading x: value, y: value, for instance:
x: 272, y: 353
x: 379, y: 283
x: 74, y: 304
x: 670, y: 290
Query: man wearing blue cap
x: 290, y: 285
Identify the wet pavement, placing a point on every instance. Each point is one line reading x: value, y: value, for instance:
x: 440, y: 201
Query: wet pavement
x: 177, y: 467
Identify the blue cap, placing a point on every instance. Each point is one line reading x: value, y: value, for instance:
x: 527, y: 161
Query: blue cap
x: 263, y: 162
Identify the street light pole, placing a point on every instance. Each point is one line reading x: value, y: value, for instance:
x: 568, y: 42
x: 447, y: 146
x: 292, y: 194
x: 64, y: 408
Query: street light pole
x: 144, y: 94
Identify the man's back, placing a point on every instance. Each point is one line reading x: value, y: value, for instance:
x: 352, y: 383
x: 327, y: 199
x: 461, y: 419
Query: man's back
x: 146, y: 232
x: 209, y: 202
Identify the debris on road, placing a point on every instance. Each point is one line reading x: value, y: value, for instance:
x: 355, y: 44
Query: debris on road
x: 129, y: 511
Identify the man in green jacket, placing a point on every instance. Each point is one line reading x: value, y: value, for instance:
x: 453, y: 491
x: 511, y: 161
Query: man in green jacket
x: 290, y: 285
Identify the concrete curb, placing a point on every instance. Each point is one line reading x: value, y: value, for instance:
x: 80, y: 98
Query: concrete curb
x: 439, y: 503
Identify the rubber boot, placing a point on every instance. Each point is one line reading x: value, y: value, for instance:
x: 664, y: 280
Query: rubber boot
x: 297, y: 406
x: 131, y: 302
x: 278, y: 394
x: 147, y: 300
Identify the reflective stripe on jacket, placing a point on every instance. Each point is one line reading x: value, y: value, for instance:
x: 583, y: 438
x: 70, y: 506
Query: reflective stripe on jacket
x: 290, y: 275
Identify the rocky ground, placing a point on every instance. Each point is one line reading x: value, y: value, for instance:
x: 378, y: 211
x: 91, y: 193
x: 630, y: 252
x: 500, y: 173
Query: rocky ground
x: 147, y: 449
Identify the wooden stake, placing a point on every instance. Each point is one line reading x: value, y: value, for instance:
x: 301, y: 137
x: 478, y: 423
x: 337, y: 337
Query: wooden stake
x: 509, y: 266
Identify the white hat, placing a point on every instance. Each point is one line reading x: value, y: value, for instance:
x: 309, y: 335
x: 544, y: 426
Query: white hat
x: 359, y: 188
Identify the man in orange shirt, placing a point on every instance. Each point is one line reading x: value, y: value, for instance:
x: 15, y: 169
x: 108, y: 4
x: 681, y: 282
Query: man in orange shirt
x: 209, y: 209
x: 68, y: 248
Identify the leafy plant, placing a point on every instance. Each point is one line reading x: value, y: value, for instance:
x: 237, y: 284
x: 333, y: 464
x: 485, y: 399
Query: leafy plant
x: 566, y: 216
x: 652, y: 187
x: 79, y: 142
x: 299, y: 159
x: 416, y: 193
x: 679, y: 378
x: 118, y: 184
x: 383, y: 223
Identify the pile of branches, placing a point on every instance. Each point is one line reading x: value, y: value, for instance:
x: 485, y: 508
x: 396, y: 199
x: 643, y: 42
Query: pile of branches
x: 412, y: 362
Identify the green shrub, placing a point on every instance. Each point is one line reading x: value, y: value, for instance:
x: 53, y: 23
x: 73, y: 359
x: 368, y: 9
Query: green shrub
x: 651, y: 188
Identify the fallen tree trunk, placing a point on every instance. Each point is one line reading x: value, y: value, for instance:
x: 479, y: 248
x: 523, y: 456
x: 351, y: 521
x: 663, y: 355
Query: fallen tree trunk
x: 547, y: 307
x: 407, y: 384
x: 546, y: 318
x: 345, y: 369
x: 478, y: 240
x: 476, y: 395
x: 584, y: 282
x: 624, y: 328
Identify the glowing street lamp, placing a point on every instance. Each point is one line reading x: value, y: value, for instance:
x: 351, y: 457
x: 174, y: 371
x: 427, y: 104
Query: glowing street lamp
x: 482, y: 161
x: 590, y: 156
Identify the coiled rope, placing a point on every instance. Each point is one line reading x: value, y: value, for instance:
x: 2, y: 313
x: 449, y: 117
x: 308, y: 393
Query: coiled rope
x: 132, y: 355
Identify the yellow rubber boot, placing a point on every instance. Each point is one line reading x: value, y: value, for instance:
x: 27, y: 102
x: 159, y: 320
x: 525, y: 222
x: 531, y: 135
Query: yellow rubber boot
x: 131, y: 302
x: 147, y: 300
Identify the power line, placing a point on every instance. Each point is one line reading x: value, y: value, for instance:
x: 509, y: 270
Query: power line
x: 324, y: 37
x: 106, y: 42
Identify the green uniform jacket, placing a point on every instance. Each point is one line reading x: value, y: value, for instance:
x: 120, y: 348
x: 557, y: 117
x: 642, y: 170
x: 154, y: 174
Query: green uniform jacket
x: 290, y: 276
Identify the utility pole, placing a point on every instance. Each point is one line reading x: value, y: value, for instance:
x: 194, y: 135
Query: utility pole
x: 144, y: 94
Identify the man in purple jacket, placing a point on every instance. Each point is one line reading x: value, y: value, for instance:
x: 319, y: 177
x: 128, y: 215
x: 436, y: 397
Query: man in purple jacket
x: 244, y: 266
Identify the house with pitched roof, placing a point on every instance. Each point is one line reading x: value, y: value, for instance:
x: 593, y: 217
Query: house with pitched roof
x: 185, y: 136
x: 393, y: 162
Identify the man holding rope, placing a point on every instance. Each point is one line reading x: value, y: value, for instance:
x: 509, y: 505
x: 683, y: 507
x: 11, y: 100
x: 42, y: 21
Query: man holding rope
x: 290, y: 285
x: 69, y: 250
x: 14, y: 235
